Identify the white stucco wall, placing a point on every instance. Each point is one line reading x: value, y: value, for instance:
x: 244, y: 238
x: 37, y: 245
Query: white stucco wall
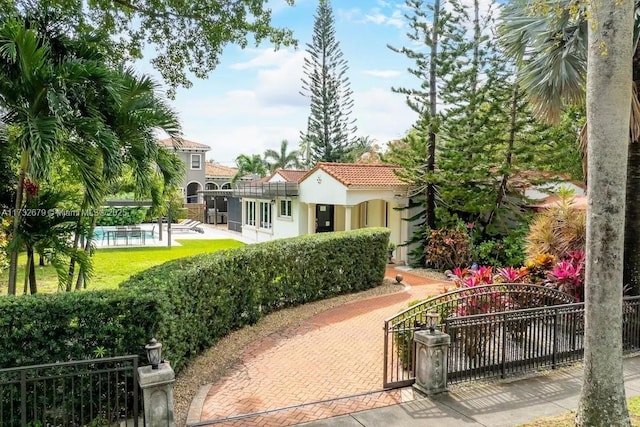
x: 322, y: 188
x: 288, y: 227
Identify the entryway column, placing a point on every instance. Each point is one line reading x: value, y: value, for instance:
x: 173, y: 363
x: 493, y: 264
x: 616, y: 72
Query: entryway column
x: 311, y: 218
x: 347, y: 218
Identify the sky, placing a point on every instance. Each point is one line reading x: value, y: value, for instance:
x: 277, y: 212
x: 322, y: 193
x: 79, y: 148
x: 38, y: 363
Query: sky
x: 252, y: 101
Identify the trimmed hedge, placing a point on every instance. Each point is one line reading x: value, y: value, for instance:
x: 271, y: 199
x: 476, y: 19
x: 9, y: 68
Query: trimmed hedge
x: 127, y: 215
x: 206, y: 296
x: 47, y: 328
x: 190, y: 303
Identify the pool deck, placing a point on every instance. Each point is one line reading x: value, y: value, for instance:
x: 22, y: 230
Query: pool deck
x: 152, y: 238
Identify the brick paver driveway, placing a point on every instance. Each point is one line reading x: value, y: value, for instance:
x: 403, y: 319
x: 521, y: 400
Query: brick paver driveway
x: 335, y: 354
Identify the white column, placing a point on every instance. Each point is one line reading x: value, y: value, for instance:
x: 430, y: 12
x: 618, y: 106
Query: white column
x: 347, y: 218
x: 311, y: 218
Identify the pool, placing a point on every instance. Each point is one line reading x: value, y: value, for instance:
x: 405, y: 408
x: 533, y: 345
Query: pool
x: 100, y: 234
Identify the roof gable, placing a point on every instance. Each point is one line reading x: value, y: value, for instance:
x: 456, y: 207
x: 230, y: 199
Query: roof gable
x: 289, y: 175
x: 359, y: 174
x: 183, y: 144
x: 214, y: 169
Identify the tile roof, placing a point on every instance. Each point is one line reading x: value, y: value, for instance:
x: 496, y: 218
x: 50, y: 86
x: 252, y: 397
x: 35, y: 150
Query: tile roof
x: 183, y: 143
x: 214, y: 169
x: 291, y: 175
x: 360, y: 175
x: 578, y: 202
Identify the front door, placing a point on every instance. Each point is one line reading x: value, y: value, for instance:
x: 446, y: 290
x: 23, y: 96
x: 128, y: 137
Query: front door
x: 324, y: 218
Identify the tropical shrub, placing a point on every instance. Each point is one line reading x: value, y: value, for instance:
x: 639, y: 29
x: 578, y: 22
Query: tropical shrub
x: 448, y: 248
x: 559, y: 231
x: 508, y: 250
x: 568, y: 275
x: 122, y: 216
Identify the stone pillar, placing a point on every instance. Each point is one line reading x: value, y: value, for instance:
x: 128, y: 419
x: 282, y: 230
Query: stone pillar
x: 347, y: 218
x: 157, y: 392
x: 431, y: 361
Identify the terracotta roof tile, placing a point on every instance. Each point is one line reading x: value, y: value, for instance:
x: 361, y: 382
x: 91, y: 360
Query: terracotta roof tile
x: 214, y: 169
x: 291, y: 175
x: 360, y: 175
x: 183, y: 143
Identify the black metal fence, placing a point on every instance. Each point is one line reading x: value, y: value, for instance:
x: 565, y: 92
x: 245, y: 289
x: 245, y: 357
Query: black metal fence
x: 485, y: 346
x: 499, y: 345
x: 399, y: 349
x: 97, y: 392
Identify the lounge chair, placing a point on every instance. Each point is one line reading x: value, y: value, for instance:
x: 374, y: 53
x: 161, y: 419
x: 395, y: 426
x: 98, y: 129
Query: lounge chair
x: 189, y: 225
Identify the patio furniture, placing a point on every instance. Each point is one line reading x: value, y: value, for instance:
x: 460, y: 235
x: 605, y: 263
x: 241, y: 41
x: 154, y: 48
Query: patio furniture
x: 121, y: 232
x: 189, y: 225
x: 136, y: 232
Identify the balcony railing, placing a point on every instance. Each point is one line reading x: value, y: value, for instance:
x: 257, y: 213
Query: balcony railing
x: 266, y: 190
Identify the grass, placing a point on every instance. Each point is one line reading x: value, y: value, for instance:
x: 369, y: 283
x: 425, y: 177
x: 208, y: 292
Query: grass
x: 112, y: 266
x: 567, y: 420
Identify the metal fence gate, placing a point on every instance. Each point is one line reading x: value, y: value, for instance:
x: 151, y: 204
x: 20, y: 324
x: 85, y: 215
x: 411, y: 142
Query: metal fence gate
x: 399, y: 349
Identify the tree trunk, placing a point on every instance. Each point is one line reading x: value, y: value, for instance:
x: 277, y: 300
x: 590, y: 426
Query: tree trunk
x: 602, y: 401
x: 33, y: 287
x: 26, y: 273
x: 13, y: 259
x: 80, y: 282
x: 76, y: 239
x: 433, y: 110
x: 502, y: 189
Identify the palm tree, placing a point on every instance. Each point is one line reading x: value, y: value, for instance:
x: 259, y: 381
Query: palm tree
x: 551, y: 49
x: 249, y: 165
x: 283, y: 159
x: 40, y: 87
x: 133, y: 120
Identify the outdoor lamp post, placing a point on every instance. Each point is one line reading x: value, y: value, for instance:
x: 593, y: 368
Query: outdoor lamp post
x: 154, y: 353
x: 432, y: 321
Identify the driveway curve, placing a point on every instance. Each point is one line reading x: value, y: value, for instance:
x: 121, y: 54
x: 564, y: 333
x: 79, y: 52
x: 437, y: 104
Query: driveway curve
x: 329, y: 365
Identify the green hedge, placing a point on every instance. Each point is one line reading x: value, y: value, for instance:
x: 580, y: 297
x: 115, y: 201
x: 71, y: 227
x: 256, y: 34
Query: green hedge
x: 48, y: 328
x: 122, y: 216
x: 190, y: 303
x: 206, y: 296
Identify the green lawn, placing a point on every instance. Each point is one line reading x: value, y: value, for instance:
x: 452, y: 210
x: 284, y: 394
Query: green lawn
x: 113, y: 266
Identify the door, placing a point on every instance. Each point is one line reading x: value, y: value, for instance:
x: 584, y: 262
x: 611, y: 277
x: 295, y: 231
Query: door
x: 324, y: 218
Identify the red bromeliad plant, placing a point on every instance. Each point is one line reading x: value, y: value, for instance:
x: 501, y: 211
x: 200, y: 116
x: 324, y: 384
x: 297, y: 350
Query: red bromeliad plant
x: 512, y: 275
x: 568, y: 275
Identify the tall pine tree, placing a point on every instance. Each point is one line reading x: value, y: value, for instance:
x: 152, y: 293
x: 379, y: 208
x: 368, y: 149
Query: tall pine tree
x: 330, y: 130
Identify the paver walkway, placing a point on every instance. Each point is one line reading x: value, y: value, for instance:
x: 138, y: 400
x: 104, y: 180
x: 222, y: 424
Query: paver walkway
x: 335, y: 354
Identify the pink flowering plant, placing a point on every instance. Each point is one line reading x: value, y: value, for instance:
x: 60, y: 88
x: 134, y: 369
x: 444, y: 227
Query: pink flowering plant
x: 568, y: 275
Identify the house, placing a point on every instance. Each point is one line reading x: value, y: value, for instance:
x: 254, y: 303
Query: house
x: 329, y: 197
x: 192, y: 155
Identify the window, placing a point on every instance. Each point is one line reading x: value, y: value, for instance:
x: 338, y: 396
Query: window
x: 265, y: 215
x: 285, y: 208
x: 250, y: 213
x: 195, y: 161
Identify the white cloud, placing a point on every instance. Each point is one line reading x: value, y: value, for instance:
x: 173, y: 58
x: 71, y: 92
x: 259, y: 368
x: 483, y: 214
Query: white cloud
x: 269, y: 108
x: 264, y: 58
x: 385, y: 74
x: 382, y: 114
x: 352, y: 14
x: 374, y: 15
